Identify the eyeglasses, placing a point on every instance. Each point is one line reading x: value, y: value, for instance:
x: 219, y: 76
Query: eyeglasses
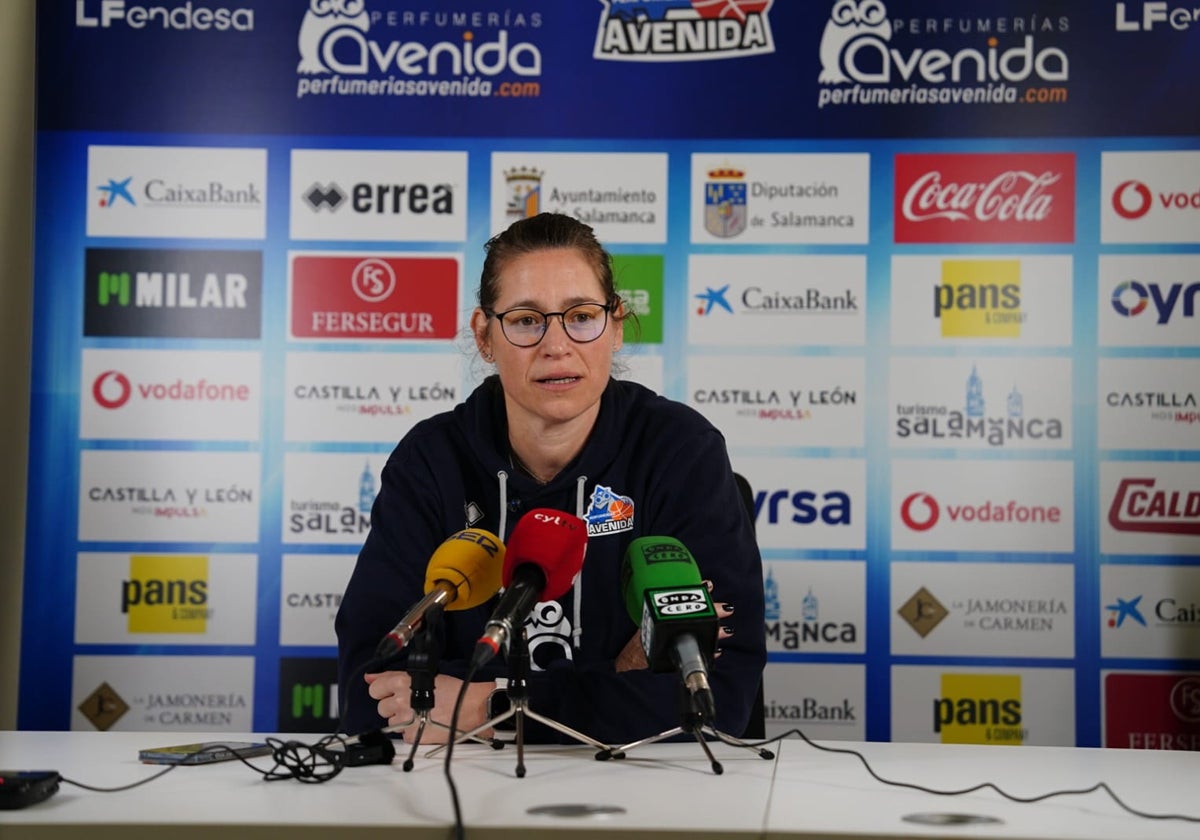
x: 583, y: 323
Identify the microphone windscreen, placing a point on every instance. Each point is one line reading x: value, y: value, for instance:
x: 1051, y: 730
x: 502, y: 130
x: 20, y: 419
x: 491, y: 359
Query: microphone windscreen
x: 655, y: 563
x: 471, y: 560
x: 552, y: 540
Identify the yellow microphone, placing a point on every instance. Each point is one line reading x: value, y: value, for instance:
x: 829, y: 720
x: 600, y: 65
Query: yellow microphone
x: 463, y: 572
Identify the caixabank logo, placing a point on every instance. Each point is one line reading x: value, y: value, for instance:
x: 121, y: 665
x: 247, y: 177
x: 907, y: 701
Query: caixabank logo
x: 993, y: 198
x: 683, y: 30
x: 176, y: 293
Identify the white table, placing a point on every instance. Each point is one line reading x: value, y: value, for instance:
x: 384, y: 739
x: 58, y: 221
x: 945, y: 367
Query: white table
x: 662, y: 788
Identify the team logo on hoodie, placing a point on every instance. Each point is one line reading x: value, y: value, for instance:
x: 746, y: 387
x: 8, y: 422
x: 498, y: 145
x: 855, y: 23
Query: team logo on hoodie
x: 609, y: 512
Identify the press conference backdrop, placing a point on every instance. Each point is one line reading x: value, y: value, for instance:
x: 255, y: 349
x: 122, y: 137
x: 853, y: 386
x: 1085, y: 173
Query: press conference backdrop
x: 932, y: 270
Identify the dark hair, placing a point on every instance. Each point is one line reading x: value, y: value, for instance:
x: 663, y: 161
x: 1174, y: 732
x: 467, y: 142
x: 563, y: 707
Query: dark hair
x: 543, y: 232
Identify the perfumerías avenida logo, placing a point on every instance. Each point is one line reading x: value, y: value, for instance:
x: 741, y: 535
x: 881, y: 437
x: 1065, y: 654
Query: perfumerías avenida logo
x: 347, y: 49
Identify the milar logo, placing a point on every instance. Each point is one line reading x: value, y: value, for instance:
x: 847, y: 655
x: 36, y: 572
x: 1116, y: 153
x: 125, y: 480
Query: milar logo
x: 683, y: 30
x: 166, y: 594
x: 979, y: 709
x: 979, y: 299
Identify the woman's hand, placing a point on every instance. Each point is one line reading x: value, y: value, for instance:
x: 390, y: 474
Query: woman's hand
x: 393, y: 690
x: 632, y: 657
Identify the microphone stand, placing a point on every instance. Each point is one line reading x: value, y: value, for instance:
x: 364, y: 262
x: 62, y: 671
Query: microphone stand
x: 694, y: 724
x: 518, y: 696
x: 422, y: 667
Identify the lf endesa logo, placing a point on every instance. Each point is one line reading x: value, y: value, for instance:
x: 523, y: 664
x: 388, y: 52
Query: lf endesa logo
x: 985, y: 198
x: 922, y: 512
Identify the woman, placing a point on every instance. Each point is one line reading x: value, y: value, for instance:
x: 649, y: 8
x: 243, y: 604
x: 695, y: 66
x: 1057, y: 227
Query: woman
x: 552, y: 430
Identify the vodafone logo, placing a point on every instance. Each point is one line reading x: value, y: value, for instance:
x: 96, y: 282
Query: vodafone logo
x: 111, y: 389
x: 1132, y: 199
x: 920, y: 511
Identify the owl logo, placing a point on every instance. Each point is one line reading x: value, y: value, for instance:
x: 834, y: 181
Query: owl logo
x: 322, y: 17
x: 848, y: 21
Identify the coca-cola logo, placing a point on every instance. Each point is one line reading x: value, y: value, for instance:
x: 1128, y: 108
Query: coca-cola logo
x: 1019, y: 196
x: 985, y: 198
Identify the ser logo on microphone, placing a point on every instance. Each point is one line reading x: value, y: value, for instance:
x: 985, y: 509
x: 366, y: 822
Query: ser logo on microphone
x: 484, y: 541
x: 680, y: 602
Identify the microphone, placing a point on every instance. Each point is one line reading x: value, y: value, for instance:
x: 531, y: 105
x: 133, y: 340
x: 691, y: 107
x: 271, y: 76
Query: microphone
x: 665, y: 596
x: 545, y: 553
x: 463, y: 572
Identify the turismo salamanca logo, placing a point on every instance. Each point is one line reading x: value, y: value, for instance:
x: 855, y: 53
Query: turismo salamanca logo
x: 341, y: 53
x: 683, y: 30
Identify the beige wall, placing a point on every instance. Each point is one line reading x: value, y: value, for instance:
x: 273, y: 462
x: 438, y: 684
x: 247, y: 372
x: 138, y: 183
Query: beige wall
x: 16, y: 303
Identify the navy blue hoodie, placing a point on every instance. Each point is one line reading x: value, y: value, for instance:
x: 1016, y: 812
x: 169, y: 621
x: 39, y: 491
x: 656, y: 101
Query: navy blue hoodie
x: 454, y: 471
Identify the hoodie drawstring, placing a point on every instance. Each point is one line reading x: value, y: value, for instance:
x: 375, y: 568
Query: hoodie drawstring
x: 577, y: 624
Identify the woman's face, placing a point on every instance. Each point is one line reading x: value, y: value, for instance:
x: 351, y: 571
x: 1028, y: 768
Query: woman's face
x: 558, y: 380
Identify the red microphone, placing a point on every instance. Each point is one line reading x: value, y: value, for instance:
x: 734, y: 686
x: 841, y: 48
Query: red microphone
x: 543, y: 556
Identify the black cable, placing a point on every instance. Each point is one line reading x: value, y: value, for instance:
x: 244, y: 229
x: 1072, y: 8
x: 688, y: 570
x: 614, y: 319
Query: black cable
x: 459, y: 828
x: 981, y: 786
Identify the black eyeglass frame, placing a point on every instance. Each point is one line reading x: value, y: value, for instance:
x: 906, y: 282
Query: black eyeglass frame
x: 606, y: 308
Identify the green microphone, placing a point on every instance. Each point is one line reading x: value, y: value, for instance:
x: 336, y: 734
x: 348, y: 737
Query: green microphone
x: 666, y: 597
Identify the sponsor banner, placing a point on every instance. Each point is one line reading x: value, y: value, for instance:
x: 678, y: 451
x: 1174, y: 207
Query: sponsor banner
x: 162, y: 693
x: 994, y: 706
x: 1018, y: 198
x: 781, y: 401
x: 960, y: 505
x: 792, y: 198
x: 815, y: 606
x: 1149, y: 300
x: 349, y: 50
x: 984, y: 403
x: 777, y: 300
x: 378, y: 196
x: 1148, y: 403
x: 623, y: 197
x: 327, y: 496
x: 179, y: 192
x: 825, y: 702
x: 1150, y: 196
x: 308, y: 694
x: 958, y: 301
x: 1172, y: 19
x: 310, y: 593
x: 679, y: 31
x: 165, y: 599
x: 366, y: 397
x: 168, y: 496
x: 808, y: 503
x: 373, y: 297
x: 1149, y: 612
x: 983, y: 609
x: 1150, y: 711
x: 639, y: 281
x: 871, y: 60
x: 170, y: 395
x: 1149, y: 507
x: 176, y: 293
x: 642, y: 368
